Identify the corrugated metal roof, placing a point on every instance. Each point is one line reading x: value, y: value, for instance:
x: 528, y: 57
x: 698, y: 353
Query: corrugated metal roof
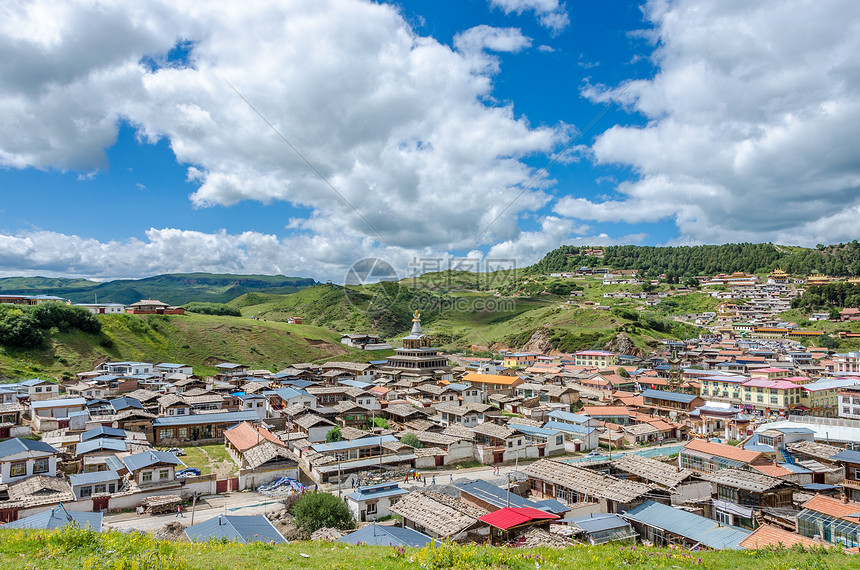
x: 17, y: 445
x: 599, y: 522
x: 100, y: 443
x: 387, y: 536
x: 848, y: 455
x: 691, y: 526
x: 509, y: 517
x: 216, y: 418
x: 57, y: 518
x: 92, y: 478
x: 669, y: 396
x: 251, y: 528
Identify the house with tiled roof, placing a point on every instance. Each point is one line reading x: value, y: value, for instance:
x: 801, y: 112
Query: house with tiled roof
x: 703, y: 456
x: 836, y: 521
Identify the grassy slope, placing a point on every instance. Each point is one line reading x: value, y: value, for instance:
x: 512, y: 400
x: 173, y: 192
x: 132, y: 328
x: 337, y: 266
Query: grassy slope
x: 197, y: 340
x: 456, y: 318
x: 77, y: 549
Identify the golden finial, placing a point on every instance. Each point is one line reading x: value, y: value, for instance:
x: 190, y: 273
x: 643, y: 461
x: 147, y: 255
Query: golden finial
x: 416, y: 316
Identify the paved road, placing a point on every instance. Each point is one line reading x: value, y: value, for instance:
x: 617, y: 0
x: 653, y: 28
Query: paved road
x: 206, y: 508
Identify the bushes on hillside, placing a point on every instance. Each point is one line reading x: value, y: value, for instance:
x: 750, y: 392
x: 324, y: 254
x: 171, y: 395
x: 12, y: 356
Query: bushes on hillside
x: 213, y: 309
x: 27, y: 327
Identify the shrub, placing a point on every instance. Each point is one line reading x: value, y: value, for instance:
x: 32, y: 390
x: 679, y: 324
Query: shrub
x: 213, y: 309
x: 333, y: 435
x: 411, y: 440
x: 316, y: 510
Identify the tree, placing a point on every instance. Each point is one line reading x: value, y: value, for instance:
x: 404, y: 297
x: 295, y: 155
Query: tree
x: 411, y: 440
x: 835, y: 314
x: 622, y: 372
x: 828, y: 342
x: 316, y: 510
x: 333, y: 435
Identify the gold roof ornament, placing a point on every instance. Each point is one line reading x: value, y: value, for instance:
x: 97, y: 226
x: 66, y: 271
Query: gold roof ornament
x: 416, y: 316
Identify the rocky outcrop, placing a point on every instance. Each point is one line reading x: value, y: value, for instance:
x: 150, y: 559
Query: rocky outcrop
x: 622, y: 344
x: 540, y: 341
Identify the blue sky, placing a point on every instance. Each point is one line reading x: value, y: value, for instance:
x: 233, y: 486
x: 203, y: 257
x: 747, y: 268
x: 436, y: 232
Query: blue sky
x: 124, y: 152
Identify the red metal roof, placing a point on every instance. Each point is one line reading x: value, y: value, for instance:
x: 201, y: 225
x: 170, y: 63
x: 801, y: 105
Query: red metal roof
x: 509, y: 517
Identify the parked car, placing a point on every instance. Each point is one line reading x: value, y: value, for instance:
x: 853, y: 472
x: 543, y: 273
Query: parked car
x: 594, y: 454
x: 188, y: 472
x: 177, y: 451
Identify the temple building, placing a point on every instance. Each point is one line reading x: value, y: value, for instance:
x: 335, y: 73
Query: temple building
x: 778, y: 277
x: 417, y: 361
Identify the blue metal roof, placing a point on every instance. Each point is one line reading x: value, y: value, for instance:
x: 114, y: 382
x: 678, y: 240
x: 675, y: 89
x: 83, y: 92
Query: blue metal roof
x: 691, y: 526
x: 356, y: 384
x: 298, y: 383
x: 848, y: 455
x: 569, y: 428
x: 568, y: 417
x: 385, y: 490
x: 125, y: 403
x: 151, y: 457
x: 531, y: 430
x: 252, y: 528
x: 216, y: 418
x: 670, y: 396
x: 288, y: 393
x: 362, y: 442
x: 498, y: 497
x: 599, y: 522
x: 17, y: 445
x: 93, y: 478
x: 99, y: 444
x: 59, y: 517
x: 102, y: 431
x: 387, y: 536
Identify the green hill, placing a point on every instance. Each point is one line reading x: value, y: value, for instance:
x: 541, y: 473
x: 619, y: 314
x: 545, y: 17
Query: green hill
x: 73, y: 549
x: 198, y: 340
x: 688, y: 261
x: 465, y: 319
x: 176, y: 289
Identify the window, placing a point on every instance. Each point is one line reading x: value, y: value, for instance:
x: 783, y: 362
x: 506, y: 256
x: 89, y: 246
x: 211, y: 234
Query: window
x: 166, y: 433
x: 559, y: 440
x: 163, y: 474
x: 100, y: 489
x: 146, y: 477
x: 760, y: 398
x: 40, y: 466
x: 773, y: 400
x: 38, y: 390
x: 182, y: 432
x: 371, y: 508
x: 510, y: 444
x: 86, y: 492
x: 112, y: 488
x: 18, y: 469
x: 747, y: 397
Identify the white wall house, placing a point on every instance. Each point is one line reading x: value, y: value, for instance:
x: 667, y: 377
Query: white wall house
x: 22, y: 458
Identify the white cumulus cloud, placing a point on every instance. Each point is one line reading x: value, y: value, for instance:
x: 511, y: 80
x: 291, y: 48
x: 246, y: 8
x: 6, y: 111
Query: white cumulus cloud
x: 752, y: 118
x: 550, y: 13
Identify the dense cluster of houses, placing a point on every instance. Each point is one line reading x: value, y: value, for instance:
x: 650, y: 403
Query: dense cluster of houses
x: 763, y: 455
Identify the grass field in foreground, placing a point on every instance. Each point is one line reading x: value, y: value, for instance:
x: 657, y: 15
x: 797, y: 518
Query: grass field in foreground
x: 83, y: 549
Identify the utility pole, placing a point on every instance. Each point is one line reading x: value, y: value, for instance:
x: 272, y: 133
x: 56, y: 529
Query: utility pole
x: 193, y: 504
x: 338, y: 474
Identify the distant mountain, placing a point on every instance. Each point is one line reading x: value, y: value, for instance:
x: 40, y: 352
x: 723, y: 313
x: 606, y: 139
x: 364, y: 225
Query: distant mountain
x: 689, y: 261
x: 176, y: 288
